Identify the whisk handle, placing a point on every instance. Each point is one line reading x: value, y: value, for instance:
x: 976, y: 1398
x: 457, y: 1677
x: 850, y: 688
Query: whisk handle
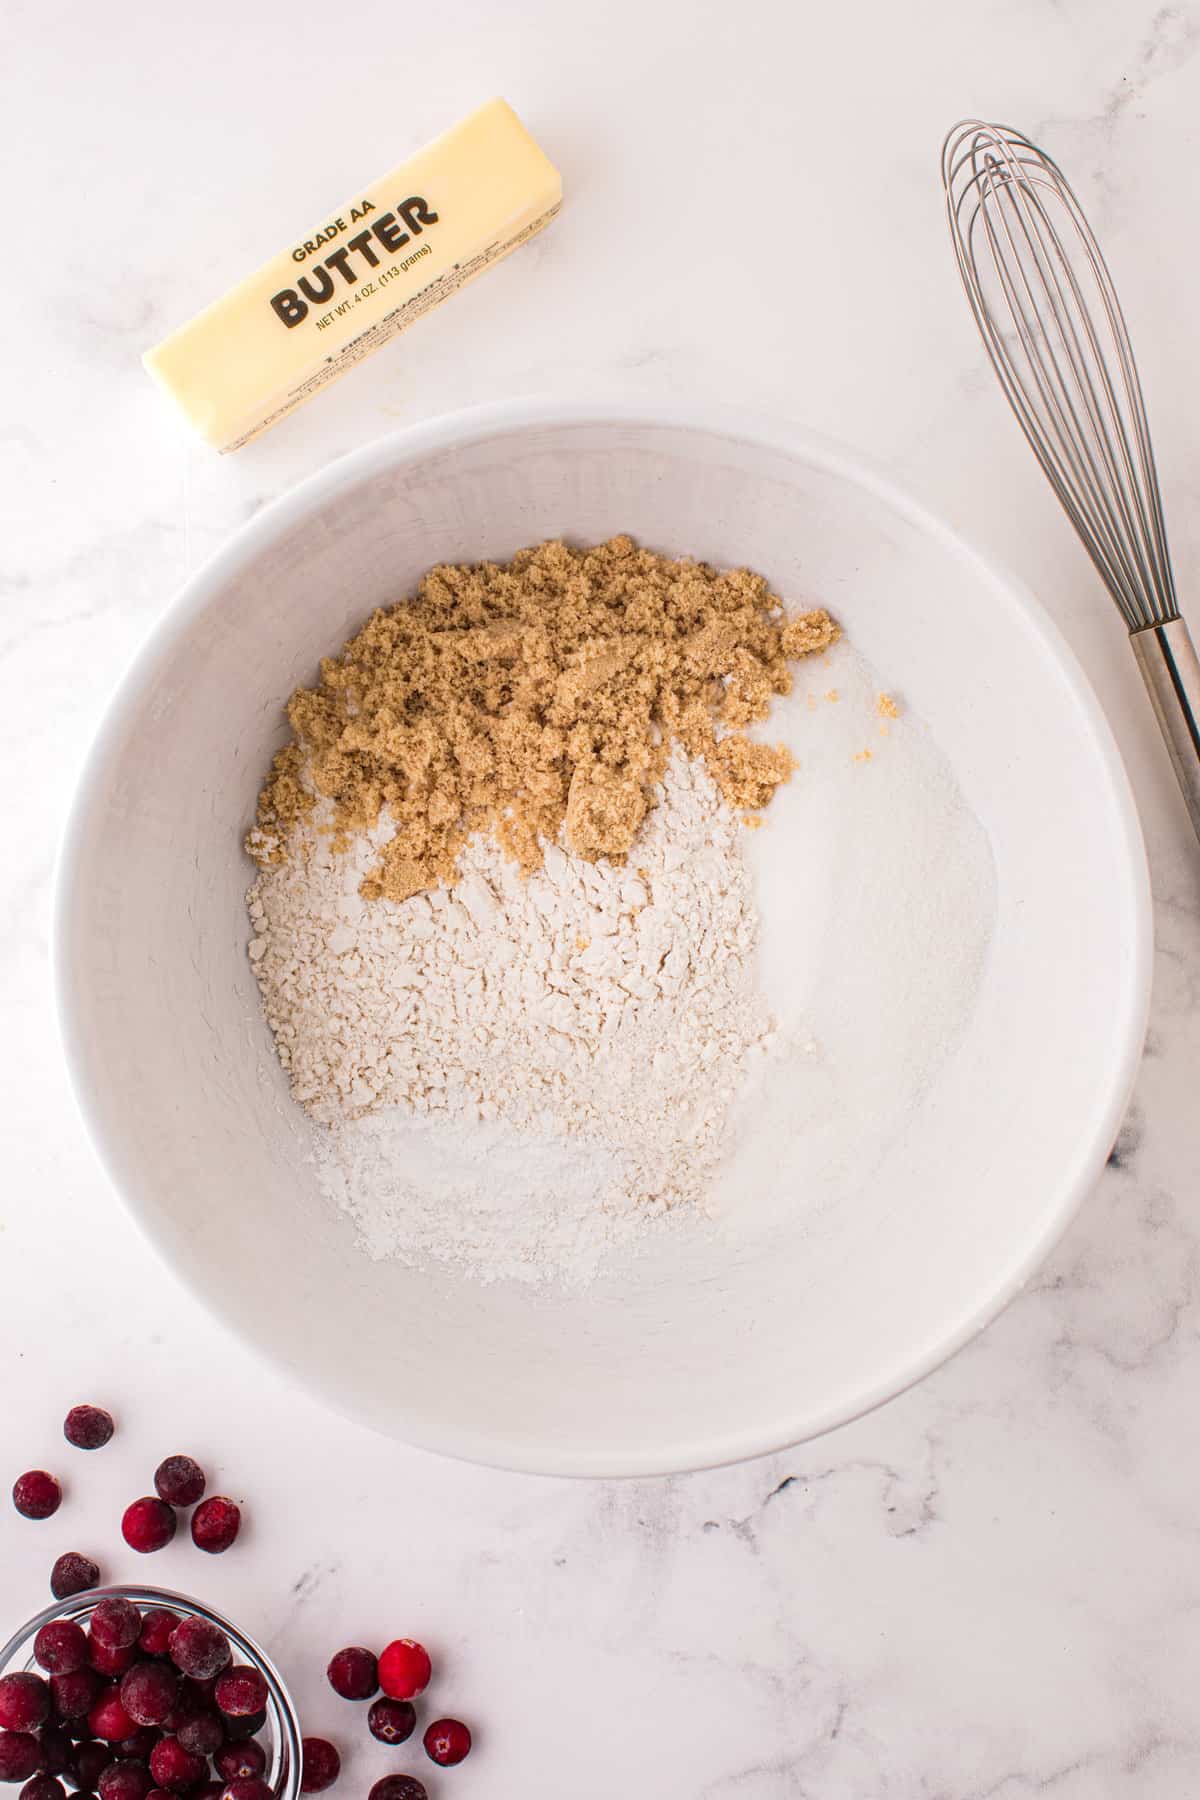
x: 1171, y: 670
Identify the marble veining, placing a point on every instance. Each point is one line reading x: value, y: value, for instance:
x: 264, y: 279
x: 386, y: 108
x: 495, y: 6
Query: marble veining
x: 989, y: 1590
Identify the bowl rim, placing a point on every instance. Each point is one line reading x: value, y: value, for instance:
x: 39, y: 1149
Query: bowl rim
x: 498, y: 419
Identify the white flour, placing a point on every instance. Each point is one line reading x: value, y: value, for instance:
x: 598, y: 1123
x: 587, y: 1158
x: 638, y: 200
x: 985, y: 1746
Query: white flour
x: 517, y: 1074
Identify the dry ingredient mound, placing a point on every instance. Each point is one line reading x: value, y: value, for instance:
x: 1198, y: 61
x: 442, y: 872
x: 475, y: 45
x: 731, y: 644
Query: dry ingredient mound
x: 535, y: 700
x: 519, y: 1072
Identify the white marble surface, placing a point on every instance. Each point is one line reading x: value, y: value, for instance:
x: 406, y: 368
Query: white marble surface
x: 991, y: 1587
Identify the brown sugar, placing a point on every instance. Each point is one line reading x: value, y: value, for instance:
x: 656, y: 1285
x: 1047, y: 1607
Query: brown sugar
x: 807, y: 633
x: 534, y: 697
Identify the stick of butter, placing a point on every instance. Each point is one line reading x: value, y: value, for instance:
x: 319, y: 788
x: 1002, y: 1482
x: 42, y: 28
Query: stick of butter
x: 399, y: 247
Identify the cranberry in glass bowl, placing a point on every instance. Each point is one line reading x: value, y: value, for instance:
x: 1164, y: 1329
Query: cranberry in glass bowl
x: 279, y: 1737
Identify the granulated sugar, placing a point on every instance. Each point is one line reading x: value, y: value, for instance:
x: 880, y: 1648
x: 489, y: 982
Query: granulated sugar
x: 517, y: 1073
x: 876, y: 897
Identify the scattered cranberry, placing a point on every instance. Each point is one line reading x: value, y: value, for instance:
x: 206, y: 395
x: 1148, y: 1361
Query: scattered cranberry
x: 73, y: 1694
x: 58, y: 1752
x: 137, y: 1747
x: 174, y: 1767
x: 157, y: 1625
x: 215, y: 1524
x: 88, y: 1427
x: 37, y: 1494
x: 43, y: 1787
x: 125, y: 1781
x: 392, y: 1721
x: 246, y: 1790
x: 446, y: 1742
x: 240, y: 1692
x: 116, y: 1621
x: 148, y: 1524
x: 321, y: 1768
x: 24, y: 1701
x: 73, y: 1574
x: 179, y: 1480
x: 148, y: 1692
x: 354, y: 1673
x: 399, y: 1787
x: 199, y: 1649
x: 241, y: 1762
x: 108, y: 1718
x: 238, y: 1730
x: 61, y: 1647
x: 404, y: 1669
x: 20, y: 1756
x: 111, y: 1659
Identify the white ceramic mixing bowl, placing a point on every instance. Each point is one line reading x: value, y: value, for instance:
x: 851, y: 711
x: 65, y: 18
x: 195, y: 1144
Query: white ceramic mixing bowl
x: 692, y: 1361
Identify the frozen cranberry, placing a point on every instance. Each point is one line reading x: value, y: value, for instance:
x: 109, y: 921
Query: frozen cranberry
x: 58, y: 1752
x: 148, y: 1692
x: 354, y: 1673
x: 37, y: 1494
x: 238, y: 1730
x: 88, y: 1427
x: 446, y: 1742
x: 199, y: 1649
x: 137, y: 1747
x: 24, y: 1701
x: 404, y: 1669
x: 179, y: 1480
x: 174, y: 1767
x: 111, y: 1659
x: 201, y: 1734
x: 399, y: 1787
x: 181, y: 1714
x: 116, y: 1621
x: 73, y: 1574
x: 391, y: 1721
x: 72, y: 1695
x: 108, y: 1719
x: 157, y: 1793
x: 197, y: 1696
x: 43, y: 1787
x: 321, y: 1768
x: 240, y: 1762
x: 20, y: 1756
x: 254, y: 1789
x: 91, y: 1760
x: 61, y: 1647
x: 157, y: 1625
x: 240, y: 1692
x: 125, y: 1781
x: 215, y: 1524
x: 148, y: 1524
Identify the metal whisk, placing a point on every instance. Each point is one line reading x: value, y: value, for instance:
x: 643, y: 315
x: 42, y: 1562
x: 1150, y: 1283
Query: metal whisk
x: 1052, y: 325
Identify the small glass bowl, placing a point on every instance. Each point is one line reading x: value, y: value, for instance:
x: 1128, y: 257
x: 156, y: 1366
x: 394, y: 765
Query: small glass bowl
x: 280, y: 1736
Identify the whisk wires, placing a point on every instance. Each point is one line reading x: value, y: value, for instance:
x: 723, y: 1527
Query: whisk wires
x: 1053, y: 328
